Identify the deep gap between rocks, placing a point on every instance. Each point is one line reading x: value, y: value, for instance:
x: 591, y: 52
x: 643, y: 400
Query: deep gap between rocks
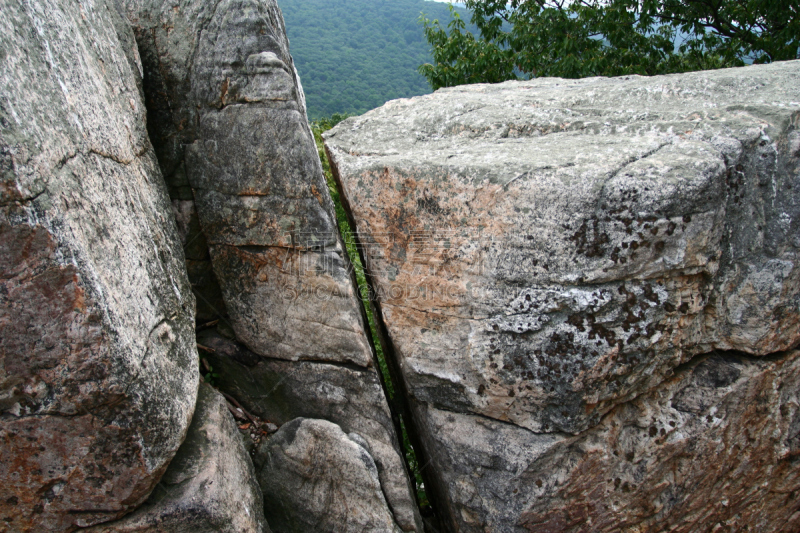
x: 391, y: 379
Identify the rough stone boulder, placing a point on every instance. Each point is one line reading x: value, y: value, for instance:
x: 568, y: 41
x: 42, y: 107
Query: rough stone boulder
x: 714, y: 448
x: 318, y: 478
x: 542, y: 253
x: 348, y: 396
x: 222, y: 83
x: 98, y: 365
x: 227, y: 112
x: 210, y: 485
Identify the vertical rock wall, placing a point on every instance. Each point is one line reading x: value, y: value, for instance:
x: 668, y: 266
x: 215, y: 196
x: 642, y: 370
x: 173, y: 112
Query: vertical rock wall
x: 98, y: 365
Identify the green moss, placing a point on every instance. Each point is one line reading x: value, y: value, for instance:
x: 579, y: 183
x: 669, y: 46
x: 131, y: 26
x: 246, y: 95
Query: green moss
x: 348, y: 235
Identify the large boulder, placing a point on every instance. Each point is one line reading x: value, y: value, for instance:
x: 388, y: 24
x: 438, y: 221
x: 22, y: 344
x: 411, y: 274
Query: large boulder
x: 541, y: 252
x: 228, y: 116
x: 223, y: 85
x: 318, y: 478
x: 98, y: 364
x: 210, y: 485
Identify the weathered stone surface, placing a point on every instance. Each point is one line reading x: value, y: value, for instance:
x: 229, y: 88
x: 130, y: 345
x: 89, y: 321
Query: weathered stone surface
x: 544, y: 251
x: 221, y: 82
x: 98, y: 365
x: 714, y: 448
x: 347, y: 395
x: 210, y: 485
x: 578, y: 239
x: 318, y: 478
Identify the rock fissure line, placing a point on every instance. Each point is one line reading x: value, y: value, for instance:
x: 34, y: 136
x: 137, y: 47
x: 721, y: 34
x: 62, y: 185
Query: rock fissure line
x: 255, y: 249
x: 614, y: 173
x: 509, y: 423
x: 402, y: 417
x: 85, y: 153
x: 682, y: 368
x: 339, y: 364
x: 262, y: 102
x: 25, y: 200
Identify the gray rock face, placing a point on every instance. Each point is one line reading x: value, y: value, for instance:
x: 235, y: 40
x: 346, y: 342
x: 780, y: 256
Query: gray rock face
x: 348, y: 396
x: 221, y: 83
x: 715, y: 448
x: 97, y: 344
x: 210, y: 486
x: 262, y: 199
x: 318, y: 478
x: 544, y: 251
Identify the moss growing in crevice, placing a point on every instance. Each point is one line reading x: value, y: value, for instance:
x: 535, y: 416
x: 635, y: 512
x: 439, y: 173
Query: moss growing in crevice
x: 349, y: 238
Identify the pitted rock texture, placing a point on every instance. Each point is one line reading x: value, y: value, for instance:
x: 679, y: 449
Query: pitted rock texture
x: 98, y: 364
x: 346, y: 395
x: 210, y: 485
x: 227, y: 114
x: 544, y: 250
x: 318, y: 478
x: 714, y: 448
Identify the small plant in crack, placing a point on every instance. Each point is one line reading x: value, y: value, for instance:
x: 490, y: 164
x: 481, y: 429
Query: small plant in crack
x: 348, y: 236
x: 209, y: 375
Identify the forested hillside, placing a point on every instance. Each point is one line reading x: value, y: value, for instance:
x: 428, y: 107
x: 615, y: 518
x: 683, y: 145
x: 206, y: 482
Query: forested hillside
x: 354, y: 55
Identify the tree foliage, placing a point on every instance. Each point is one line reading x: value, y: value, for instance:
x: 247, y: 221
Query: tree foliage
x: 578, y: 38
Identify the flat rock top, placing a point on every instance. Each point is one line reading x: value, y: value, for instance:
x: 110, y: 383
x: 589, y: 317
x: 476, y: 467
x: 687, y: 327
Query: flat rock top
x: 566, y: 243
x: 530, y: 122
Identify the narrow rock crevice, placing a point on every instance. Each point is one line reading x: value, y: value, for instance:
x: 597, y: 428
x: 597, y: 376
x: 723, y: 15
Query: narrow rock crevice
x: 393, y: 383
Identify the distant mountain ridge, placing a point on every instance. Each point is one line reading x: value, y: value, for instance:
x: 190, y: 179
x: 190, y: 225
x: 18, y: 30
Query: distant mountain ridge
x: 354, y: 55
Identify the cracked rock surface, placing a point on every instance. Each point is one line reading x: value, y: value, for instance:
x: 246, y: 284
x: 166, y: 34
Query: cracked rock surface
x: 318, y: 478
x: 228, y: 110
x: 544, y: 252
x: 714, y: 448
x: 346, y: 395
x: 98, y: 365
x: 210, y: 485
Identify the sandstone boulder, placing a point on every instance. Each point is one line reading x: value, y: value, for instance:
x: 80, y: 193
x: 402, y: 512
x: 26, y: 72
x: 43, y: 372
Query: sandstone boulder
x: 210, y: 486
x: 541, y: 252
x: 98, y: 365
x: 318, y: 478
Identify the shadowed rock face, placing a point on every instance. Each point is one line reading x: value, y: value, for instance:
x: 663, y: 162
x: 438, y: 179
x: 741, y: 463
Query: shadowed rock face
x: 318, y: 478
x: 210, y: 486
x: 227, y: 109
x: 544, y: 251
x: 715, y: 446
x: 98, y: 365
x: 346, y: 395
